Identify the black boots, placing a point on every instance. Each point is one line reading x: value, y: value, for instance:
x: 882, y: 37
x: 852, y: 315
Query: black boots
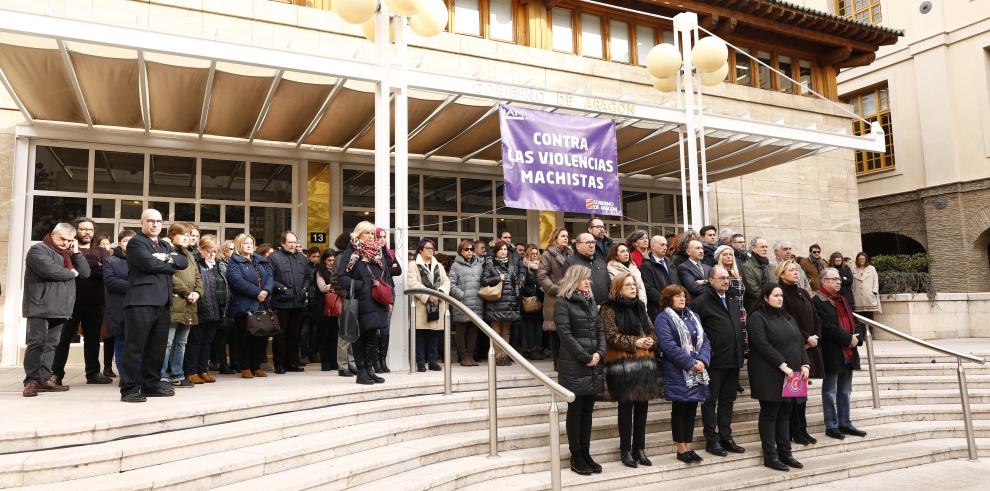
x: 789, y: 460
x: 579, y: 466
x: 364, y: 376
x: 773, y: 462
x: 627, y: 459
x: 640, y: 456
x: 595, y: 466
x: 382, y: 354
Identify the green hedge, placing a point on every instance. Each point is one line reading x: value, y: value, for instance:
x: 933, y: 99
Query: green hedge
x: 905, y: 274
x: 904, y: 263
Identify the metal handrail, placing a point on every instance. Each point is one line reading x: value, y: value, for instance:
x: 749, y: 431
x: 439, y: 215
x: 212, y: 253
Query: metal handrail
x: 960, y: 373
x: 556, y: 390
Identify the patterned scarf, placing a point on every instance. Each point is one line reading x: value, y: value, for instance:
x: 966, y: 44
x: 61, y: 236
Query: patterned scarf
x: 690, y: 378
x: 846, y: 320
x: 66, y: 258
x: 586, y: 296
x: 370, y: 251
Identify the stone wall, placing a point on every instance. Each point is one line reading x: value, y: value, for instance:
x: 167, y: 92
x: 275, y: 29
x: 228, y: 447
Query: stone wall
x: 952, y: 315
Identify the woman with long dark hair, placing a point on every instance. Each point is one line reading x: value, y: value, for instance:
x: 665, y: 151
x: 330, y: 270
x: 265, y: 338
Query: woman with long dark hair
x: 501, y: 313
x: 327, y: 326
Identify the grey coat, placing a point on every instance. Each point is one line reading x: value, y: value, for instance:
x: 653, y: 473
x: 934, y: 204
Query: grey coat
x: 49, y: 288
x: 465, y: 281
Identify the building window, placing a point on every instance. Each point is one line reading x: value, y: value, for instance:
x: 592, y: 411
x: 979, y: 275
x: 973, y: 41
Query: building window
x: 654, y: 212
x: 591, y: 36
x: 744, y: 68
x: 500, y: 20
x: 873, y: 105
x: 867, y: 11
x: 618, y: 41
x: 563, y: 30
x: 493, y: 19
x: 646, y: 39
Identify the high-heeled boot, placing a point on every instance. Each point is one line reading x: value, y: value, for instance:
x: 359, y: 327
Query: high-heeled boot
x: 383, y: 352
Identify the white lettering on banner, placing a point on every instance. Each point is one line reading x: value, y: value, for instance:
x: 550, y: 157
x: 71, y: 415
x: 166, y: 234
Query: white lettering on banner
x: 564, y: 141
x: 561, y: 178
x: 577, y: 161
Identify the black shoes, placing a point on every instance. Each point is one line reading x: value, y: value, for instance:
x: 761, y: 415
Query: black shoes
x: 420, y: 367
x: 98, y: 378
x: 789, y: 461
x: 852, y: 430
x: 373, y: 377
x: 696, y: 457
x: 775, y: 464
x: 279, y: 370
x: 731, y: 446
x: 363, y: 378
x: 345, y: 373
x: 685, y: 457
x: 835, y: 433
x: 714, y: 448
x: 133, y: 397
x: 579, y: 466
x: 627, y: 459
x: 641, y: 457
x: 807, y: 436
x: 800, y: 439
x: 595, y: 467
x: 434, y: 366
x: 296, y: 369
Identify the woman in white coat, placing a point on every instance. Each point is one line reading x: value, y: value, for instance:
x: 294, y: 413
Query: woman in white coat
x: 866, y: 286
x: 619, y: 261
x: 427, y: 272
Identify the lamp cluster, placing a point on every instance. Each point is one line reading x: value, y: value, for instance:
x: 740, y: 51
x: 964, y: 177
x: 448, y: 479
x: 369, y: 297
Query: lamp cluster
x: 709, y: 56
x: 427, y: 18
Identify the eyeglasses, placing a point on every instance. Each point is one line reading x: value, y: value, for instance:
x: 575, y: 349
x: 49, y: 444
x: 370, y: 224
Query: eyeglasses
x: 830, y: 279
x: 154, y: 221
x: 597, y: 226
x: 586, y: 242
x: 427, y: 248
x: 816, y: 252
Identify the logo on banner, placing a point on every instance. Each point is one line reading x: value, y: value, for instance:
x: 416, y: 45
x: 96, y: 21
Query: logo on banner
x: 559, y: 162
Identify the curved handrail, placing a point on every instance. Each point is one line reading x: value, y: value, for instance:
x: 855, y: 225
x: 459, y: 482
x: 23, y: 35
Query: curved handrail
x: 919, y: 342
x: 495, y: 338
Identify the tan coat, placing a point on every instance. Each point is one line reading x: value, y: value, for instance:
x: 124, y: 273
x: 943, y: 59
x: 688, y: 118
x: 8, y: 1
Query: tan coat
x: 548, y: 275
x: 414, y: 281
x: 866, y: 289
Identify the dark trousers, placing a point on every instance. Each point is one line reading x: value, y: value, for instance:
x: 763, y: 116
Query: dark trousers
x: 465, y: 338
x: 534, y: 333
x: 91, y: 318
x: 427, y: 345
x: 108, y: 352
x: 366, y: 349
x: 799, y: 421
x: 220, y: 343
x: 248, y: 351
x: 42, y: 337
x: 327, y: 329
x: 118, y: 352
x: 555, y: 347
x: 632, y: 425
x: 682, y: 415
x: 285, y: 346
x: 579, y: 423
x: 716, y: 412
x: 145, y: 336
x: 198, y: 347
x: 775, y: 417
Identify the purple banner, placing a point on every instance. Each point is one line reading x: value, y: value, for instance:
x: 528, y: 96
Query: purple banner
x: 559, y: 162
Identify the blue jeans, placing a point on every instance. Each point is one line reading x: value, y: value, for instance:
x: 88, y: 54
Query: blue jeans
x: 835, y: 398
x: 175, y: 352
x: 118, y: 351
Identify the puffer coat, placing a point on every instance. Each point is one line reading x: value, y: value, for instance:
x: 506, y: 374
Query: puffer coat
x: 581, y: 336
x: 548, y: 275
x: 465, y: 281
x: 184, y: 282
x: 676, y: 359
x: 507, y: 307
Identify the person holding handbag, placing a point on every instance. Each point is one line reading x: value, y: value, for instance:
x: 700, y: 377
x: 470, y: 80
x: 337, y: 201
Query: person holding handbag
x: 777, y: 353
x: 362, y: 266
x: 327, y: 319
x: 427, y: 272
x: 532, y: 303
x: 250, y: 278
x: 631, y: 369
x: 503, y: 311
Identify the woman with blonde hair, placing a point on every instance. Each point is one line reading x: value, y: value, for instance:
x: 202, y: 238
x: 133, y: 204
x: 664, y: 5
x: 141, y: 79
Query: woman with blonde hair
x: 725, y: 256
x: 251, y: 281
x: 582, y: 348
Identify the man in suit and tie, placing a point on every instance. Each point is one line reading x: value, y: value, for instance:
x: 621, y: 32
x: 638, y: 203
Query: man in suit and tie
x: 658, y: 274
x: 147, y: 310
x: 693, y: 272
x: 720, y: 317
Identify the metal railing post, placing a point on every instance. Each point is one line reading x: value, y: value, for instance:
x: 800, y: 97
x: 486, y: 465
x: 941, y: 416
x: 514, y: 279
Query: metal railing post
x: 446, y: 353
x: 412, y: 335
x: 492, y: 404
x: 967, y: 415
x: 554, y: 419
x: 873, y: 367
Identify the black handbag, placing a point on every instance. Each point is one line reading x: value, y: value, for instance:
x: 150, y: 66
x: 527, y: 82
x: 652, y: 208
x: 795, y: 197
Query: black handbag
x: 432, y: 309
x: 432, y: 312
x: 262, y: 323
x: 350, y: 330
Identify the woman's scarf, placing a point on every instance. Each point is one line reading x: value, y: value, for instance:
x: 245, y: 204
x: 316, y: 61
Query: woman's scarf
x: 66, y: 257
x: 690, y: 378
x: 370, y: 251
x: 629, y: 316
x: 586, y: 296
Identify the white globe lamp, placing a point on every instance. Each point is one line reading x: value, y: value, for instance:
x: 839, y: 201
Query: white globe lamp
x: 664, y: 84
x: 355, y: 11
x: 709, y: 54
x: 406, y: 8
x: 431, y: 19
x: 663, y: 61
x: 712, y: 79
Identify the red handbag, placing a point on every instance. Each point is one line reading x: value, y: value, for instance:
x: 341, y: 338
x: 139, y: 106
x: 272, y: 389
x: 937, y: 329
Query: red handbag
x: 380, y: 291
x: 332, y: 304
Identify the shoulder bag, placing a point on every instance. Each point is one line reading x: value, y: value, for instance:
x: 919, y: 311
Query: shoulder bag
x: 264, y: 322
x: 381, y: 292
x: 432, y: 309
x: 350, y: 329
x: 332, y: 304
x: 491, y: 293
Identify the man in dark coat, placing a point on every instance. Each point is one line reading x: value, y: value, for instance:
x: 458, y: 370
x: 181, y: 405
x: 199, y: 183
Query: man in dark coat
x: 840, y: 340
x: 147, y: 310
x: 720, y: 317
x: 291, y: 271
x: 709, y: 242
x: 51, y: 267
x: 586, y: 256
x: 596, y: 227
x: 738, y: 243
x: 658, y: 274
x: 693, y: 272
x: 88, y: 309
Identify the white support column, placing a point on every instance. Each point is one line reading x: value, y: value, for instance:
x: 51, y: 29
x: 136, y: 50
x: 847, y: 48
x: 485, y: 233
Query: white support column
x: 382, y: 129
x: 685, y: 29
x: 14, y: 328
x: 399, y: 348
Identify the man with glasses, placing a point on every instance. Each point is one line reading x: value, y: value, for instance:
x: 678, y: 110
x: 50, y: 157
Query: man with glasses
x: 719, y: 315
x: 147, y: 310
x: 658, y: 274
x: 586, y: 256
x: 782, y: 251
x: 291, y: 271
x: 841, y: 338
x: 813, y: 265
x: 596, y: 227
x: 738, y: 243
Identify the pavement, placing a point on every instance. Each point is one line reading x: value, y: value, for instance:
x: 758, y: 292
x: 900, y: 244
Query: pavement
x: 959, y: 474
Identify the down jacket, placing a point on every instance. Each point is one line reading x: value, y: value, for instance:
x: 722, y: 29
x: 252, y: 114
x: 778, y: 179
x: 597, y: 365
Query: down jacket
x: 465, y: 281
x: 242, y: 277
x: 115, y: 280
x: 581, y: 336
x: 616, y: 268
x: 676, y: 359
x: 507, y: 307
x: 371, y: 314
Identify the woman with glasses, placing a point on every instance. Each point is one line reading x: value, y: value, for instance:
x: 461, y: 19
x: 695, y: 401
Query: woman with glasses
x: 532, y: 302
x: 211, y: 310
x: 427, y: 272
x: 465, y: 281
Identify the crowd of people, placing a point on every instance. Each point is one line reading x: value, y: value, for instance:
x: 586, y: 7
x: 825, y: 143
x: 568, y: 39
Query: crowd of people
x: 676, y: 317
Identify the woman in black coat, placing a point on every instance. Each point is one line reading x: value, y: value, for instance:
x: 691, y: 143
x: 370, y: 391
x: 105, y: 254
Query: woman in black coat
x: 530, y: 288
x: 630, y: 365
x: 501, y: 313
x: 361, y: 265
x: 582, y: 348
x: 846, y: 275
x: 776, y: 348
x: 797, y: 303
